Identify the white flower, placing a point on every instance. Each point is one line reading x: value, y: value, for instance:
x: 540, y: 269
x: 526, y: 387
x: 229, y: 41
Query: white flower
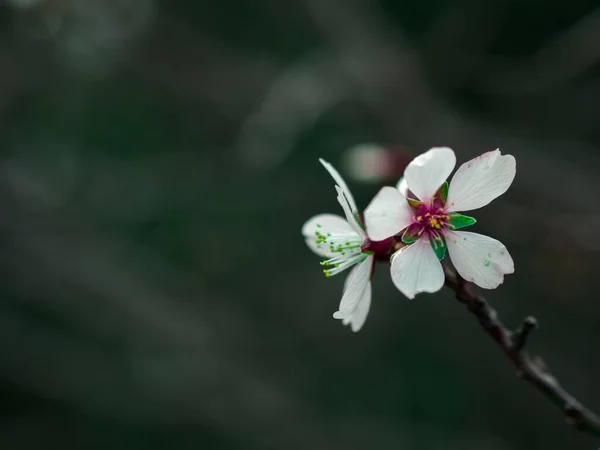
x: 344, y: 243
x: 431, y: 219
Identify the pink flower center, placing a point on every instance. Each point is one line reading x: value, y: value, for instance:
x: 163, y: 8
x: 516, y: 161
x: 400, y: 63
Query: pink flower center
x: 432, y: 220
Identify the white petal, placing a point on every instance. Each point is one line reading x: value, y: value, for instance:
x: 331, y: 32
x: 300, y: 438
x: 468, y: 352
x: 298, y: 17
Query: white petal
x: 327, y: 223
x: 387, y: 214
x: 427, y: 172
x: 341, y: 183
x: 479, y: 181
x: 359, y: 316
x: 357, y: 319
x: 402, y: 186
x: 356, y: 285
x: 479, y: 259
x: 348, y: 278
x: 416, y: 268
x: 350, y: 216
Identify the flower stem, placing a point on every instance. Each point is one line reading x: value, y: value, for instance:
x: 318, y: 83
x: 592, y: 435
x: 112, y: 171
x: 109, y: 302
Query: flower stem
x: 512, y: 343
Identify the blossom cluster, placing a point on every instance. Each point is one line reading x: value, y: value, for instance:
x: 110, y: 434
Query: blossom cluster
x: 413, y: 226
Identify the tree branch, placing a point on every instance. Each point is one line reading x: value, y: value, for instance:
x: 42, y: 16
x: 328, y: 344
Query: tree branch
x: 513, y: 343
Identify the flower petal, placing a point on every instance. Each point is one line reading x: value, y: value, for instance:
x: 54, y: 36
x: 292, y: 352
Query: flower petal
x: 479, y: 259
x: 357, y: 319
x: 426, y: 173
x: 341, y: 183
x: 359, y: 316
x: 479, y: 181
x: 402, y: 186
x: 351, y: 217
x: 323, y: 224
x: 358, y: 280
x: 387, y: 214
x: 416, y: 268
x: 348, y: 278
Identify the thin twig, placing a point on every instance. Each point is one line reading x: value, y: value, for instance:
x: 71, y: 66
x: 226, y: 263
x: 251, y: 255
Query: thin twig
x: 513, y: 344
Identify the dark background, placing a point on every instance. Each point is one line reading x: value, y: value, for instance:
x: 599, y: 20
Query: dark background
x: 158, y: 160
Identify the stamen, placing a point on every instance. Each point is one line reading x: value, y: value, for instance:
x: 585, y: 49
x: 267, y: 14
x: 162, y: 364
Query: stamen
x: 339, y: 265
x: 340, y: 251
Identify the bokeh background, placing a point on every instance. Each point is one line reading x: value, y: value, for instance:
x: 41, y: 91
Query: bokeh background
x: 158, y: 159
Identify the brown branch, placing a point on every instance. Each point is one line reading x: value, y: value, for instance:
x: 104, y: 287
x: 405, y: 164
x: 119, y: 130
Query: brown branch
x: 513, y: 343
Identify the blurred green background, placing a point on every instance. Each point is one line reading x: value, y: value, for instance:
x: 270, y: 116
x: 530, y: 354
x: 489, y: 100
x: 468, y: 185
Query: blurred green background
x: 159, y: 159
